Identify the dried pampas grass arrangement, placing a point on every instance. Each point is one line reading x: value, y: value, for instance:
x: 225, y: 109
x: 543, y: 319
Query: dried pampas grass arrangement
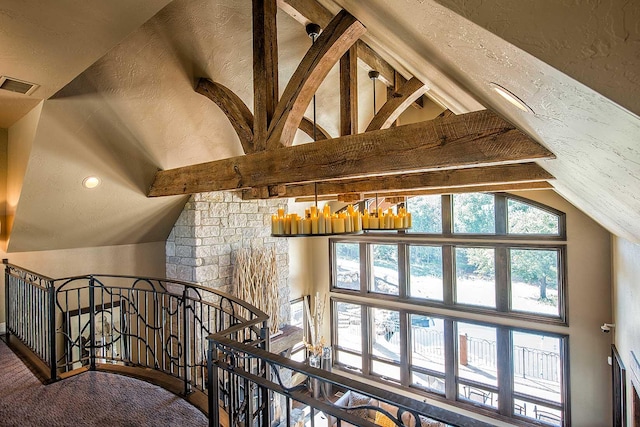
x: 255, y: 280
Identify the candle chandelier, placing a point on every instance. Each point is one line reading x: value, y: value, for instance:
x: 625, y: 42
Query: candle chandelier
x: 323, y: 222
x: 349, y: 220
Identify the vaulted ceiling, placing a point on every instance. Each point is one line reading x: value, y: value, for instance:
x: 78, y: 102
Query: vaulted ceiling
x: 116, y: 97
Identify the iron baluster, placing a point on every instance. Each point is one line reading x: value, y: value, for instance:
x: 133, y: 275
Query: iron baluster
x: 7, y: 298
x: 92, y: 324
x: 185, y: 346
x: 52, y: 330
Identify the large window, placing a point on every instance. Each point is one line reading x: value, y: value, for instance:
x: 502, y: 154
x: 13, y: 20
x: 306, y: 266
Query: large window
x: 493, y: 368
x: 472, y: 257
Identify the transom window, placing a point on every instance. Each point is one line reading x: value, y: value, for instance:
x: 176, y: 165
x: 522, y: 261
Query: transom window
x: 473, y: 255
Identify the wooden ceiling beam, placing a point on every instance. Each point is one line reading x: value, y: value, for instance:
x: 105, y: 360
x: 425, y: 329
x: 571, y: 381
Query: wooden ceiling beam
x: 310, y: 11
x: 265, y: 69
x: 396, y: 104
x: 491, y: 188
x: 241, y: 117
x: 235, y: 109
x: 349, y: 92
x: 307, y: 125
x: 448, y: 178
x: 306, y: 12
x: 469, y: 140
x: 341, y: 33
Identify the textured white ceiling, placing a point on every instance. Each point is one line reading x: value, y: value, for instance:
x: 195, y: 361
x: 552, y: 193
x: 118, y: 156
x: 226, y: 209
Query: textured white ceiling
x: 132, y: 108
x: 50, y: 42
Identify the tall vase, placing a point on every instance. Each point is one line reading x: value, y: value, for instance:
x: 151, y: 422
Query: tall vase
x: 315, y: 361
x: 325, y: 363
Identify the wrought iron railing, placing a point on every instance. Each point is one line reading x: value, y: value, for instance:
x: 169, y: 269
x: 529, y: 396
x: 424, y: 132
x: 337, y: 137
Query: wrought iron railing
x: 208, y: 340
x: 161, y: 324
x: 259, y: 389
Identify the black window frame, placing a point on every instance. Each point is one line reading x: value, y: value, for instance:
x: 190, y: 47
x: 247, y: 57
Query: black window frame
x: 452, y: 312
x: 504, y: 389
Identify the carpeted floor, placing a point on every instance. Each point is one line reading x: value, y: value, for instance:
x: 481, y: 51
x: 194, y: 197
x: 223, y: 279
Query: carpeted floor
x: 88, y: 399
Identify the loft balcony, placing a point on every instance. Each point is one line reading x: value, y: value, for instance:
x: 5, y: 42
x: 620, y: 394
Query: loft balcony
x: 207, y: 346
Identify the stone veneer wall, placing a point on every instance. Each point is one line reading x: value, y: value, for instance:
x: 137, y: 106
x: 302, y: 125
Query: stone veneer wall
x: 212, y: 228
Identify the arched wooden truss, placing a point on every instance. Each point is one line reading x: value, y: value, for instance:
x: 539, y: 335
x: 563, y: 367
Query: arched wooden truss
x: 450, y: 152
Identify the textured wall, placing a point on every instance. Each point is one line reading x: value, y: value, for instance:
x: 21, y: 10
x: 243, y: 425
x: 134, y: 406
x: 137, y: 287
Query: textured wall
x: 626, y: 308
x: 208, y: 234
x: 145, y: 260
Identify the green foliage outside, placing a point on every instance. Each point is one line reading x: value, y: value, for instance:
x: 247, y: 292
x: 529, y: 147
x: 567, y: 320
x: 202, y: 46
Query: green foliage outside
x: 473, y: 213
x: 426, y: 214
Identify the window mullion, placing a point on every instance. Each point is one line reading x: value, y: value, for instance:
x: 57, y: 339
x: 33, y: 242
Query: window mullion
x: 500, y: 209
x: 403, y: 269
x: 450, y: 360
x: 364, y: 267
x: 447, y: 275
x: 505, y: 371
x: 365, y: 339
x: 447, y: 214
x: 405, y: 356
x: 503, y: 290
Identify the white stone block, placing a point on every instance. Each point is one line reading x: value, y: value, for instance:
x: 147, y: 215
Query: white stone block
x: 212, y: 196
x: 233, y: 207
x: 203, y: 251
x: 218, y: 210
x: 170, y: 271
x: 184, y: 251
x: 185, y: 273
x: 206, y: 273
x: 209, y: 220
x: 186, y: 241
x: 183, y: 231
x: 205, y: 231
x: 224, y: 260
x: 238, y: 220
x: 170, y: 249
x: 248, y: 207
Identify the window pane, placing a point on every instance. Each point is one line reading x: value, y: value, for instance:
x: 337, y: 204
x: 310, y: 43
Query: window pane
x: 298, y: 356
x: 349, y: 326
x: 534, y: 281
x: 385, y: 370
x: 526, y: 219
x: 478, y: 395
x: 426, y: 214
x: 348, y: 266
x: 385, y: 269
x: 474, y: 213
x: 297, y: 319
x: 537, y: 367
x: 297, y: 314
x: 475, y: 276
x: 427, y: 342
x: 349, y: 360
x: 425, y: 268
x: 532, y: 410
x: 386, y: 340
x: 429, y: 382
x: 477, y: 353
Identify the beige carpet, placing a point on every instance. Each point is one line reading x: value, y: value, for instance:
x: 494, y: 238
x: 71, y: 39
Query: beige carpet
x: 88, y: 399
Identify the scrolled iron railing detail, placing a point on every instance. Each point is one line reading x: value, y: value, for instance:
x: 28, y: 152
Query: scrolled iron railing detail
x: 209, y: 340
x: 144, y: 322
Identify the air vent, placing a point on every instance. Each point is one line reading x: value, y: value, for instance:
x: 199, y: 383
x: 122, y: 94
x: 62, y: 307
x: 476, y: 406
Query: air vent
x: 15, y: 85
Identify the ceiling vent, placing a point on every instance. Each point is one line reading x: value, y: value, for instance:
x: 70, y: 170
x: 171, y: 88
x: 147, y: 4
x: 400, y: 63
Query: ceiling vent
x: 15, y: 85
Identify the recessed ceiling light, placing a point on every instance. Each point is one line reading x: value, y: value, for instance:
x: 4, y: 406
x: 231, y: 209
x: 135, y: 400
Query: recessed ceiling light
x: 91, y: 182
x: 511, y: 98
